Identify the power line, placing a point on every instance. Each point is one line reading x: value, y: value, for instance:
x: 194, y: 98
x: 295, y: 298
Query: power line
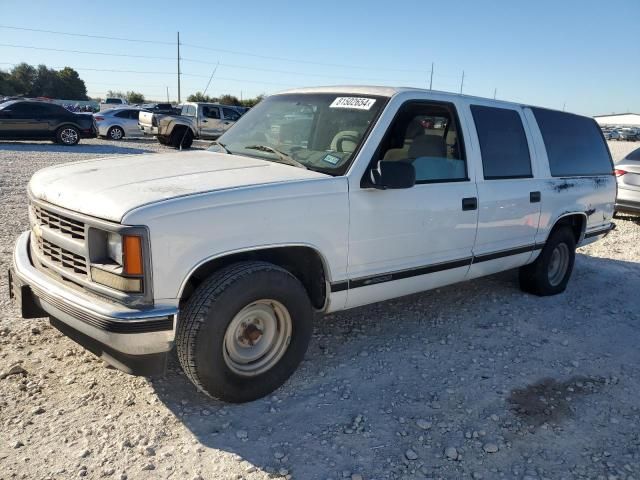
x: 102, y: 37
x: 221, y: 50
x: 245, y: 67
x: 164, y: 73
x: 31, y: 47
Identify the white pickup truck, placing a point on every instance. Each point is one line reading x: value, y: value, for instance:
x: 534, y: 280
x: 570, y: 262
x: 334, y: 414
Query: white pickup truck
x: 196, y: 121
x: 318, y: 200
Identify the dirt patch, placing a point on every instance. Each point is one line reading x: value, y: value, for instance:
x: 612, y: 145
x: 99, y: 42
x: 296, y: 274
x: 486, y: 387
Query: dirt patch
x: 549, y: 400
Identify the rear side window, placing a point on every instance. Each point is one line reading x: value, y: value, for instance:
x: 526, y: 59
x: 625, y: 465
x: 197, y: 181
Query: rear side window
x: 574, y: 144
x: 503, y: 143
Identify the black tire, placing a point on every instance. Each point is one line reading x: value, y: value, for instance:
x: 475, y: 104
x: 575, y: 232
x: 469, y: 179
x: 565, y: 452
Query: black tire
x: 163, y: 140
x: 214, y: 305
x: 115, y: 133
x: 67, y: 135
x: 181, y: 138
x: 538, y: 278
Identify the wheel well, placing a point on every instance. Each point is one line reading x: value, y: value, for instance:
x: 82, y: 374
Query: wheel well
x: 577, y: 222
x: 304, y: 263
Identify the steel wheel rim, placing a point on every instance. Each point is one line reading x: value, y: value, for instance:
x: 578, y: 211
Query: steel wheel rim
x: 558, y: 264
x: 69, y: 136
x: 116, y: 133
x: 257, y: 337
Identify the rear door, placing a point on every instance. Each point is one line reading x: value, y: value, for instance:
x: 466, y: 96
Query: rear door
x: 231, y: 116
x: 509, y: 193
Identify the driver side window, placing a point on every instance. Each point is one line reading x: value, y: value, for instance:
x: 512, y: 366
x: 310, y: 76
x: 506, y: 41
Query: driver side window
x: 427, y: 135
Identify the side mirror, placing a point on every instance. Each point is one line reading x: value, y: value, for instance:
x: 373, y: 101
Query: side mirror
x: 393, y: 175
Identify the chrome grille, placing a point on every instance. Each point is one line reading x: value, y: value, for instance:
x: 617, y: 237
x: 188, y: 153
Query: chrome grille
x: 54, y: 221
x: 59, y: 256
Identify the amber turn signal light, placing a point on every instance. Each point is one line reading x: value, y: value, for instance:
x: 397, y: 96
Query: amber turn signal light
x: 132, y: 255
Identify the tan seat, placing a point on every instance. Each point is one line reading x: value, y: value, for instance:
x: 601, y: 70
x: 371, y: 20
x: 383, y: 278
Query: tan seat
x: 428, y: 146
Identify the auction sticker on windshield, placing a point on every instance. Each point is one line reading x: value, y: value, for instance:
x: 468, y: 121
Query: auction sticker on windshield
x: 357, y: 103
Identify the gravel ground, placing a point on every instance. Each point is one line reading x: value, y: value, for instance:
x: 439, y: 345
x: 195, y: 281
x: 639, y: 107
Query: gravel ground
x: 473, y: 381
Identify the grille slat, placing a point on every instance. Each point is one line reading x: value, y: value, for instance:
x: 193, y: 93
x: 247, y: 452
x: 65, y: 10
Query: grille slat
x: 64, y: 258
x: 64, y: 225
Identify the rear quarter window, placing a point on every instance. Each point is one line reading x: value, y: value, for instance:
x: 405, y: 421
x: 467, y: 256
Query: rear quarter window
x: 575, y: 145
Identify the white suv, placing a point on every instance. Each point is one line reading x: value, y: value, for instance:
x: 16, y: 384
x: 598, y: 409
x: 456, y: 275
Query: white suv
x: 317, y: 200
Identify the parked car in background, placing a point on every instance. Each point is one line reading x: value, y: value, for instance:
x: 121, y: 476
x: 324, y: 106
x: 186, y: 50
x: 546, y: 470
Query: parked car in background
x: 34, y: 120
x: 231, y: 254
x: 627, y: 173
x: 109, y: 103
x: 196, y: 121
x: 629, y: 134
x: 160, y: 108
x: 118, y: 123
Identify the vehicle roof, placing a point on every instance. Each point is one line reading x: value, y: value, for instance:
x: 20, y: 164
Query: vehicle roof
x: 393, y: 91
x: 205, y: 103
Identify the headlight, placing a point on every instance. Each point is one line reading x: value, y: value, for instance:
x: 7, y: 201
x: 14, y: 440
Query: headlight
x: 122, y: 267
x: 114, y: 247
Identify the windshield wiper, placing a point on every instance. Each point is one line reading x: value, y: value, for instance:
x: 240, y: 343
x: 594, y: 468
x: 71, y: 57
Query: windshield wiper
x: 223, y: 146
x: 283, y: 157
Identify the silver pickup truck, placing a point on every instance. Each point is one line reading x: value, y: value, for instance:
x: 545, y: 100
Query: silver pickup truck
x: 196, y: 121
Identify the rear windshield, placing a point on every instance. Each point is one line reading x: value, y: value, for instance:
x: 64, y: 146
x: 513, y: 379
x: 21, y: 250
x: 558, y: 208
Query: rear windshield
x: 575, y: 145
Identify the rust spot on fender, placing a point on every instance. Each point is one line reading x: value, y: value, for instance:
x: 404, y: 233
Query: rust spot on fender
x: 562, y: 186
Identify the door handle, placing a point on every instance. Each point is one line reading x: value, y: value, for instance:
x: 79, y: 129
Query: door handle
x: 534, y: 197
x: 470, y: 203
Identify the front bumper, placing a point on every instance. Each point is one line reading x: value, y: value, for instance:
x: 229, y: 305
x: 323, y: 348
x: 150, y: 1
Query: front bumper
x: 132, y: 340
x: 628, y: 200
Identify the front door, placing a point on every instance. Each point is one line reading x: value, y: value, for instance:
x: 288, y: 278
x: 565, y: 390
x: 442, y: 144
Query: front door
x: 211, y: 122
x: 23, y: 120
x: 408, y: 240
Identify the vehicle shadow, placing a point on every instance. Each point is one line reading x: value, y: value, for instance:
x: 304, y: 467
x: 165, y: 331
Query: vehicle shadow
x: 371, y: 372
x: 116, y: 149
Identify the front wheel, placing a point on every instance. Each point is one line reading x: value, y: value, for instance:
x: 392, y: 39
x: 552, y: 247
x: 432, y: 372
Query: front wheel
x: 550, y: 272
x: 244, y: 331
x: 68, y: 135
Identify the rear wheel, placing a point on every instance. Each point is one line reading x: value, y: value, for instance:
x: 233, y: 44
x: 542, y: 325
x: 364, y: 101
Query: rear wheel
x: 115, y: 133
x: 68, y: 135
x: 182, y: 138
x: 550, y: 272
x: 244, y: 331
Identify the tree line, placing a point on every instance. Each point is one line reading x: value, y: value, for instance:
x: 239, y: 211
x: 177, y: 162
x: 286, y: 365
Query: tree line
x: 225, y: 99
x: 66, y: 84
x: 41, y: 81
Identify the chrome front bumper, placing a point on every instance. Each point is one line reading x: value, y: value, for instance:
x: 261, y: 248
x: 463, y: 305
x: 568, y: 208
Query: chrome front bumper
x: 134, y: 340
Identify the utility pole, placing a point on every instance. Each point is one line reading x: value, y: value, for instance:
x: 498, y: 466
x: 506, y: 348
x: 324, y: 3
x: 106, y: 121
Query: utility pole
x: 462, y: 82
x: 495, y: 92
x: 431, y: 79
x: 167, y: 94
x: 564, y: 105
x: 178, y: 67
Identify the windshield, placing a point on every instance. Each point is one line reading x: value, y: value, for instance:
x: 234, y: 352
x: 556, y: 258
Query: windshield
x: 320, y: 131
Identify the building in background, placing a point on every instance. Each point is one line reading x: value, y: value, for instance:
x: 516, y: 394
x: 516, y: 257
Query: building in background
x: 619, y: 120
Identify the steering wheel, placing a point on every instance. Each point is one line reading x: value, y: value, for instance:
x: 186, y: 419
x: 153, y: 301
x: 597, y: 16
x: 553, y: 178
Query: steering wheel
x: 348, y: 138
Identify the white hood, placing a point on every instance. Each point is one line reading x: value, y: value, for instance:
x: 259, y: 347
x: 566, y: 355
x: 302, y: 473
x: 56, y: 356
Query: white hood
x: 109, y: 187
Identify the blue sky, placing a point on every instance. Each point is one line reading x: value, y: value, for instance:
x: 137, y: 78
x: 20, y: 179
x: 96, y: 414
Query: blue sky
x: 542, y: 52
